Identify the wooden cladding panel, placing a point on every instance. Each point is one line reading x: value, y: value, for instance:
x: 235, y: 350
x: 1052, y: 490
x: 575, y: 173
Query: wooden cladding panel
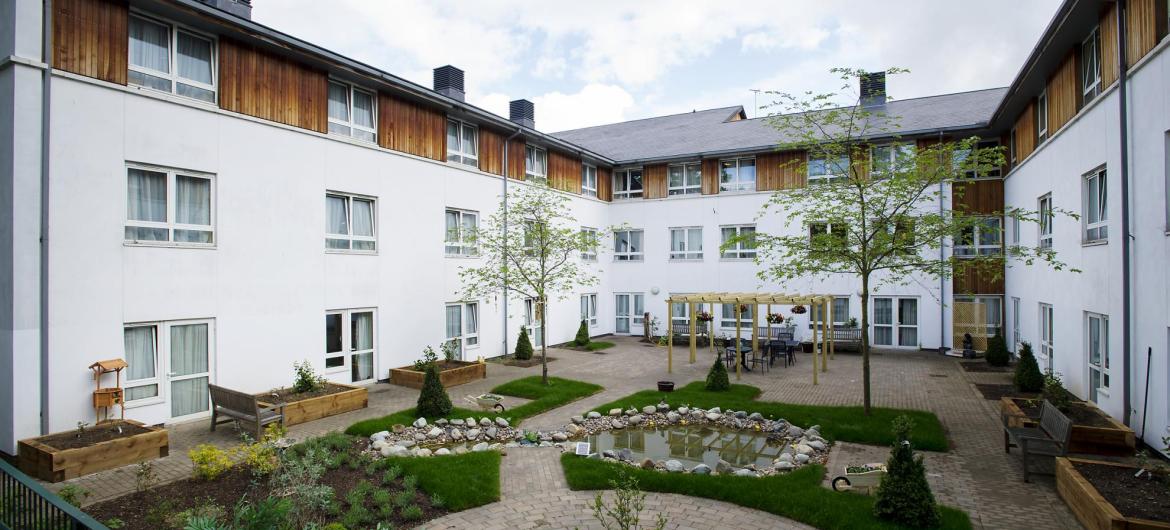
x: 604, y: 183
x: 978, y: 196
x: 1026, y: 132
x: 411, y: 128
x: 1064, y: 94
x: 564, y: 172
x: 781, y: 171
x: 973, y: 281
x: 654, y: 181
x: 491, y: 152
x: 1142, y: 21
x: 1109, y: 70
x: 265, y: 85
x: 516, y: 159
x: 710, y: 175
x: 91, y: 38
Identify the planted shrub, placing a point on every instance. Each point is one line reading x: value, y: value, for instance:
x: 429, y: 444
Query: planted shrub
x: 904, y: 496
x: 1028, y: 377
x: 717, y: 378
x: 523, y: 346
x: 1055, y: 393
x: 307, y: 379
x: 209, y: 461
x: 582, y: 334
x: 997, y: 353
x: 433, y: 401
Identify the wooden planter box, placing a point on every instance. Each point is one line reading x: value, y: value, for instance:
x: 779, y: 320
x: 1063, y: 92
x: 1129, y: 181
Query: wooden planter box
x: 55, y: 465
x: 1115, y: 440
x: 1090, y: 508
x: 456, y: 373
x: 315, y: 408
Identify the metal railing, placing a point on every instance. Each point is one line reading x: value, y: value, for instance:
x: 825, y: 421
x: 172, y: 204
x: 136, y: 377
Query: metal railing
x: 26, y: 505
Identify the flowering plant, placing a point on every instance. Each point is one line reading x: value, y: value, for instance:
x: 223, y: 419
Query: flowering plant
x: 775, y: 318
x: 798, y: 310
x: 704, y: 316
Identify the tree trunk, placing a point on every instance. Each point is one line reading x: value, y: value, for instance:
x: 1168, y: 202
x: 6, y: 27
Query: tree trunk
x: 865, y: 341
x: 543, y: 343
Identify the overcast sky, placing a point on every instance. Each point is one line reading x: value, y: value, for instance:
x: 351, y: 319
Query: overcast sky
x: 595, y: 62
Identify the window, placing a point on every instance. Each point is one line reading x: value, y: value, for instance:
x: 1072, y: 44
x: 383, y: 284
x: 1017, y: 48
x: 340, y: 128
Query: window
x: 588, y: 180
x: 840, y: 313
x: 1012, y: 146
x: 462, y: 143
x: 983, y: 239
x: 1016, y: 338
x: 589, y: 234
x: 895, y: 322
x: 171, y: 59
x: 684, y: 179
x: 1047, y: 353
x: 141, y: 347
x: 627, y: 184
x: 461, y: 226
x: 680, y: 314
x: 532, y: 232
x: 737, y: 174
x: 1091, y: 65
x: 169, y: 361
x: 589, y: 308
x: 743, y: 248
x: 627, y: 245
x: 827, y: 235
x: 533, y: 314
x: 981, y: 316
x: 891, y: 157
x: 351, y: 111
x: 686, y: 243
x: 1015, y: 227
x: 353, y: 351
x: 535, y: 164
x: 745, y: 317
x: 1042, y: 116
x: 1096, y: 211
x: 169, y: 205
x: 1046, y: 218
x: 349, y: 222
x: 823, y: 169
x: 961, y: 155
x: 462, y: 327
x: 1097, y: 351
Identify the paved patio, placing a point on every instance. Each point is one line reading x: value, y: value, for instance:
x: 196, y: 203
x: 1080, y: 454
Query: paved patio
x: 976, y: 475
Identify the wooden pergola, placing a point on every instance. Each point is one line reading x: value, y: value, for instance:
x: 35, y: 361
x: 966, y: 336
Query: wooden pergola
x: 822, y: 341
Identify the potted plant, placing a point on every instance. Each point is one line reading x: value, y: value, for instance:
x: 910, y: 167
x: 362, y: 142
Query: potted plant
x: 775, y: 318
x: 798, y: 310
x: 853, y: 322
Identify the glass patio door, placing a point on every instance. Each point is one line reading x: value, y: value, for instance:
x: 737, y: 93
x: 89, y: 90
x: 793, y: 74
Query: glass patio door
x: 908, y: 322
x: 190, y: 369
x: 1046, y: 344
x: 630, y: 310
x: 532, y: 318
x: 895, y: 322
x: 361, y: 346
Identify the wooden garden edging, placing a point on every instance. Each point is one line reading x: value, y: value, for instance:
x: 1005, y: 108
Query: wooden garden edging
x: 467, y: 372
x: 1090, y: 508
x: 1115, y: 440
x: 315, y: 408
x: 55, y: 465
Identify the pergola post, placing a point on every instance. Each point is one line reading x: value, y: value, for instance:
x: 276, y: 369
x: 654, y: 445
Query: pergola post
x: 669, y: 338
x: 755, y: 328
x: 694, y: 325
x: 814, y: 343
x: 825, y: 331
x: 738, y: 326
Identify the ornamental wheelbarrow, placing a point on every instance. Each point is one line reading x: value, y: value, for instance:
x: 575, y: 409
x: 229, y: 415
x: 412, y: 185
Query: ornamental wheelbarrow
x: 486, y: 401
x: 864, y: 478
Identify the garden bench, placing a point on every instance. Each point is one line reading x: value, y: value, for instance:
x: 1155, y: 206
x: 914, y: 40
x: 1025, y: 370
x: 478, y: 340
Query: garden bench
x: 680, y: 332
x: 244, y: 408
x: 1049, y: 438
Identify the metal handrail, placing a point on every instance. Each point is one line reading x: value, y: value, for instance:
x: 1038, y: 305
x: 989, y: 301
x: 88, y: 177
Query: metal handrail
x: 25, y: 504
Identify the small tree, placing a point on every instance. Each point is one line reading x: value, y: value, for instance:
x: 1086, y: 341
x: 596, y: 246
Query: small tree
x: 523, y: 346
x: 904, y: 496
x: 997, y: 353
x: 433, y: 401
x: 717, y: 380
x: 628, y: 503
x: 1028, y: 377
x: 582, y: 334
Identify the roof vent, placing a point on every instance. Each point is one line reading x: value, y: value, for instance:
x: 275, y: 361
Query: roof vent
x: 239, y: 8
x: 523, y: 112
x: 449, y: 82
x: 873, y: 89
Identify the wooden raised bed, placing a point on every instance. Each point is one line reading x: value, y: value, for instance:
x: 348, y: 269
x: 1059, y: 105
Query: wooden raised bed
x: 317, y: 407
x: 451, y: 373
x: 51, y: 464
x: 1087, y: 504
x: 1115, y: 440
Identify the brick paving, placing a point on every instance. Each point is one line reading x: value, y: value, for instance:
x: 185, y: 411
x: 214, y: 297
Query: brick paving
x: 975, y: 475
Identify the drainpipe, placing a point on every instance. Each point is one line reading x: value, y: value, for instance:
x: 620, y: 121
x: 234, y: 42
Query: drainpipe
x: 942, y: 281
x: 1126, y: 280
x: 46, y: 85
x: 505, y: 167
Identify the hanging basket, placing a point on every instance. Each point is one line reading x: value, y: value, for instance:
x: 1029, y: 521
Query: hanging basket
x: 798, y: 310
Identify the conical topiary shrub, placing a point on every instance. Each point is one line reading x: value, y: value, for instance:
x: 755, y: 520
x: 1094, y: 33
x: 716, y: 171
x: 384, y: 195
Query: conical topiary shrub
x: 523, y: 346
x: 904, y: 496
x: 433, y: 401
x: 717, y: 378
x: 1028, y: 377
x: 997, y: 353
x: 582, y: 334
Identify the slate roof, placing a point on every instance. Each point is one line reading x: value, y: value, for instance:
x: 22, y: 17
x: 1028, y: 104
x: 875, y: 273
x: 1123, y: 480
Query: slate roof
x: 709, y: 131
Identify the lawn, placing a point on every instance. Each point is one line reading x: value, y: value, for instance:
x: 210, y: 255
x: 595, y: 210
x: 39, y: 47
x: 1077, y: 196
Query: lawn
x: 847, y: 424
x: 558, y: 392
x: 797, y: 495
x: 598, y: 345
x: 463, y: 481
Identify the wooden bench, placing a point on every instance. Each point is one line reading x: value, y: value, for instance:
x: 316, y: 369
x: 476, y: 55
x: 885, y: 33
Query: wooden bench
x: 680, y: 333
x: 1049, y: 438
x: 244, y: 408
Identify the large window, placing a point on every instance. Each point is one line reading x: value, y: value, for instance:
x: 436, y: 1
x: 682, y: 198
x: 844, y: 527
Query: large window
x: 840, y: 313
x: 171, y: 59
x: 895, y: 322
x: 349, y: 222
x: 1097, y: 351
x: 590, y: 252
x: 824, y: 169
x: 737, y: 174
x: 169, y: 206
x: 588, y: 180
x: 627, y: 184
x: 982, y: 239
x: 350, y: 350
x: 686, y: 243
x: 462, y: 143
x: 460, y: 238
x: 169, y: 362
x: 1047, y: 353
x: 1091, y: 65
x: 891, y: 157
x: 744, y: 246
x: 535, y: 164
x: 1046, y: 218
x: 981, y: 316
x: 462, y: 327
x: 1042, y: 116
x: 1096, y: 211
x: 627, y: 245
x: 1016, y: 335
x: 351, y: 111
x: 961, y: 155
x: 727, y: 317
x: 680, y: 314
x: 824, y: 236
x: 589, y: 308
x: 684, y: 179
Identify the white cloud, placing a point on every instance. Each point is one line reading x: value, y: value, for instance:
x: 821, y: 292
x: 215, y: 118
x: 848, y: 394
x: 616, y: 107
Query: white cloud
x: 801, y: 37
x: 593, y: 104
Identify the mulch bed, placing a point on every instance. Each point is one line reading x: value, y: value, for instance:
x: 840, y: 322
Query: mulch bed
x: 1139, y: 497
x: 983, y: 367
x: 92, y: 435
x: 534, y: 361
x: 1078, y: 413
x: 995, y: 392
x: 288, y: 395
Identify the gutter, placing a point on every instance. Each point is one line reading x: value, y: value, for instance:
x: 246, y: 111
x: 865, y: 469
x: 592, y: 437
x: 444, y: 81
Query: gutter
x: 504, y: 163
x: 1126, y: 280
x: 942, y: 281
x: 46, y: 92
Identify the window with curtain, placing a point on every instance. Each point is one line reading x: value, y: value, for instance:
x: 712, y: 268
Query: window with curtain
x: 1091, y: 65
x: 737, y: 174
x: 535, y: 163
x: 349, y: 223
x: 141, y: 351
x: 1045, y: 221
x: 351, y: 111
x: 168, y: 362
x: 171, y: 59
x: 189, y: 369
x: 361, y: 346
x: 462, y: 143
x: 471, y: 324
x: 1096, y: 209
x: 627, y: 245
x: 589, y: 308
x: 840, y: 313
x: 460, y: 235
x: 589, y: 234
x: 588, y: 180
x: 742, y: 248
x: 149, y: 220
x: 686, y: 243
x: 454, y: 328
x: 891, y: 157
x: 745, y: 317
x: 684, y: 179
x: 982, y: 239
x: 823, y: 168
x: 1097, y: 344
x: 627, y: 184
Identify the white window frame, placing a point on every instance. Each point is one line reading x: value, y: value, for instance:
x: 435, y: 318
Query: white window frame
x: 157, y: 380
x: 1012, y: 146
x: 997, y: 300
x: 743, y: 250
x: 1091, y: 71
x: 896, y: 150
x: 347, y: 350
x: 738, y: 183
x: 173, y: 31
x: 1101, y: 322
x: 827, y: 177
x: 687, y: 253
x: 625, y: 176
x: 1098, y: 230
x: 170, y: 225
x: 459, y: 153
x: 589, y: 180
x: 727, y: 319
x: 162, y: 359
x: 628, y: 255
x: 1016, y: 336
x: 466, y: 339
x: 840, y: 317
x: 973, y: 174
x: 681, y: 313
x: 461, y: 246
x: 1046, y: 321
x: 977, y: 247
x: 589, y: 308
x: 590, y: 254
x: 1046, y: 217
x: 349, y: 198
x: 1042, y: 116
x: 350, y: 89
x: 535, y: 156
x: 1015, y: 227
x: 829, y: 229
x: 896, y: 325
x: 688, y: 169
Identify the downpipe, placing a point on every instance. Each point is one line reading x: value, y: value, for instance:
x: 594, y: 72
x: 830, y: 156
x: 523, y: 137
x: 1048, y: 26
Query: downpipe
x: 1126, y: 244
x: 504, y: 165
x: 46, y: 92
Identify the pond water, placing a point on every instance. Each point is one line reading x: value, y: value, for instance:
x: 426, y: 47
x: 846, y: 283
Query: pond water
x: 691, y: 445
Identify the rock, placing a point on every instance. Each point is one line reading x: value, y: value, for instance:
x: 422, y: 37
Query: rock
x: 615, y: 412
x: 491, y: 432
x: 394, y: 450
x: 481, y: 446
x: 740, y: 414
x: 435, y: 432
x: 485, y: 422
x: 456, y: 434
x: 472, y: 434
x: 578, y: 419
x: 594, y: 456
x: 545, y: 444
x: 636, y: 419
x: 501, y: 422
x: 803, y: 449
x: 630, y: 411
x: 420, y: 423
x: 674, y: 466
x: 443, y: 452
x: 406, y: 443
x: 711, y: 416
x: 441, y: 422
x: 649, y: 409
x: 723, y: 467
x: 715, y: 410
x: 498, y: 447
x: 816, y: 444
x: 608, y: 453
x: 781, y: 465
x: 457, y: 422
x: 617, y: 424
x: 625, y: 455
x: 672, y: 417
x: 378, y: 445
x: 756, y: 416
x: 593, y: 414
x: 795, y: 432
x: 378, y: 436
x: 418, y: 436
x: 784, y: 457
x: 460, y: 449
x: 647, y: 464
x: 470, y: 422
x: 663, y: 407
x: 816, y: 428
x: 745, y: 473
x: 801, y: 459
x: 559, y: 437
x: 701, y: 469
x: 573, y: 429
x: 684, y: 410
x: 422, y: 451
